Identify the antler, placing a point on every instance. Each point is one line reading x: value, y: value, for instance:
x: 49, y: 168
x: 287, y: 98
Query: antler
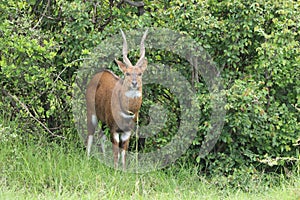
x: 125, y: 50
x: 142, y: 50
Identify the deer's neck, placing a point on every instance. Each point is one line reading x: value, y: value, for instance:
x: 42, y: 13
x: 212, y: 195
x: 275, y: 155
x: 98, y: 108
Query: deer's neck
x: 130, y: 100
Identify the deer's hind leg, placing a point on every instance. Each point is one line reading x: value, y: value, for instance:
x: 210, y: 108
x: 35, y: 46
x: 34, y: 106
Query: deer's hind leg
x: 92, y: 123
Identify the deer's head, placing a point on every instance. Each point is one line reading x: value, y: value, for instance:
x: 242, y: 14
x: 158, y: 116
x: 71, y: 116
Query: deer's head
x: 133, y: 73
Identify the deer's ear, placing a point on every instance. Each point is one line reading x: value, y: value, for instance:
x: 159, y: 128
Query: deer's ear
x: 144, y: 65
x: 121, y: 65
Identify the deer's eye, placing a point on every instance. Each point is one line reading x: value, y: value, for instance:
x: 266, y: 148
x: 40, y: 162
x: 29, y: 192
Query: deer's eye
x: 139, y: 74
x: 127, y: 74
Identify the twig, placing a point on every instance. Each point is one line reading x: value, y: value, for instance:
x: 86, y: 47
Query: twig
x: 64, y: 69
x: 136, y: 156
x: 140, y: 5
x: 135, y: 3
x: 136, y: 143
x: 44, y: 12
x: 33, y: 117
x: 274, y: 161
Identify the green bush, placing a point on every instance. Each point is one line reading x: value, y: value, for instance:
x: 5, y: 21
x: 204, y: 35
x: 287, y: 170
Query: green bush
x: 254, y: 44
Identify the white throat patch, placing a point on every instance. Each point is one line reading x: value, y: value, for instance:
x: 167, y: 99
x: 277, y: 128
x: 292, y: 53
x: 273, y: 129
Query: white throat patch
x: 133, y: 94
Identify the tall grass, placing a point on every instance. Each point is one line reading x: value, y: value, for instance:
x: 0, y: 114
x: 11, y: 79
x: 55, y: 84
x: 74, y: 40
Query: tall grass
x: 42, y: 170
x: 35, y: 170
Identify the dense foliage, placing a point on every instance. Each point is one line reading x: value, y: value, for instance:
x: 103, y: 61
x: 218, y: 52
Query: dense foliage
x: 254, y: 43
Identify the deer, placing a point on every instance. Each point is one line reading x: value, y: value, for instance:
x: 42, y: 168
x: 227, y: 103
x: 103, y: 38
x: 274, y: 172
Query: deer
x: 116, y: 102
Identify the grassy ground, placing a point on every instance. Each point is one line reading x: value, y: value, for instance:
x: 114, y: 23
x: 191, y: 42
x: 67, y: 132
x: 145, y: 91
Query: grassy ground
x: 50, y: 171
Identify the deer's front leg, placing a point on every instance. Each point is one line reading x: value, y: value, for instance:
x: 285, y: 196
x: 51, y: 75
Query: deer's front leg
x: 125, y: 143
x: 116, y: 153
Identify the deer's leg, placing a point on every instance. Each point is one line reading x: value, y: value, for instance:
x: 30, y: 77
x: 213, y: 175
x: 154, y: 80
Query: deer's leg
x: 102, y: 138
x: 125, y: 142
x: 115, y: 142
x: 92, y: 122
